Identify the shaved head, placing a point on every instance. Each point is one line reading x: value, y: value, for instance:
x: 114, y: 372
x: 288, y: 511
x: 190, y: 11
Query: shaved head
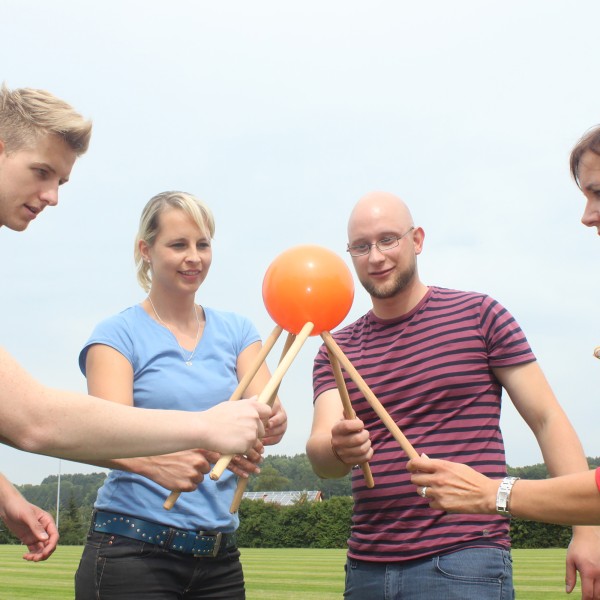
x: 379, y: 207
x: 391, y: 273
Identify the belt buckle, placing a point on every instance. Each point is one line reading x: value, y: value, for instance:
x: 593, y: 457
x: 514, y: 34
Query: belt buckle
x: 217, y: 546
x: 218, y: 537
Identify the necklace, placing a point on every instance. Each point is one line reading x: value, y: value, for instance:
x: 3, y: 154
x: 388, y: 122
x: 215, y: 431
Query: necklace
x: 187, y: 361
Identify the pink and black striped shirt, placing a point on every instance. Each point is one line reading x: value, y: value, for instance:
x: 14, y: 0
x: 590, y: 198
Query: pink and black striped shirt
x: 432, y: 370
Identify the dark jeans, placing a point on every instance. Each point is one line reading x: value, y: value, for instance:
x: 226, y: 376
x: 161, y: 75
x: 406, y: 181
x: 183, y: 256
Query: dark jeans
x: 118, y: 568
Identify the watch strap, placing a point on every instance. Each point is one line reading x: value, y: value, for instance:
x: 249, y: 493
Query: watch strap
x: 503, y: 495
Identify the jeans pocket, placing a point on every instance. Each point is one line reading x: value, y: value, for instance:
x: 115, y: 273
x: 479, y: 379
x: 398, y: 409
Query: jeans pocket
x: 476, y: 564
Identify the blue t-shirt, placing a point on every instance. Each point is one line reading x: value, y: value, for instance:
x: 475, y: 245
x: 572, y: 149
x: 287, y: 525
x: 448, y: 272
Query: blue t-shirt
x: 161, y: 379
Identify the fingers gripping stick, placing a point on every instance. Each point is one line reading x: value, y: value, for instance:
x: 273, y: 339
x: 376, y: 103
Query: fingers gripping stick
x: 369, y: 395
x: 270, y: 391
x: 348, y: 410
x: 237, y: 394
x: 242, y: 483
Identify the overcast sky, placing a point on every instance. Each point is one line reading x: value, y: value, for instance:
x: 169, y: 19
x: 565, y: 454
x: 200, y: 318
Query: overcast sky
x: 281, y: 115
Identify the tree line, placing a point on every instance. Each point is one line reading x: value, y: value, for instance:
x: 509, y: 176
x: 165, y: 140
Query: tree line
x: 262, y: 524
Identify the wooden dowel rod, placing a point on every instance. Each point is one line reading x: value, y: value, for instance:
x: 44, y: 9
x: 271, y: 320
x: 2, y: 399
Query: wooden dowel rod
x: 348, y: 410
x: 270, y: 390
x: 369, y: 395
x: 238, y: 393
x: 242, y: 482
x: 224, y: 461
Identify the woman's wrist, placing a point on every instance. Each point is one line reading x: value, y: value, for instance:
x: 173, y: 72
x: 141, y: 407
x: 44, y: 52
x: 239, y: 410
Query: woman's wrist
x: 503, y: 495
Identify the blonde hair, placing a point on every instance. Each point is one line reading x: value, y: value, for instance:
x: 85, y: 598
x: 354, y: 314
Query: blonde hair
x: 27, y: 114
x: 198, y: 210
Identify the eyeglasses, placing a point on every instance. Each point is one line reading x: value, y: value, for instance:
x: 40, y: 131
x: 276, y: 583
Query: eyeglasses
x: 383, y: 245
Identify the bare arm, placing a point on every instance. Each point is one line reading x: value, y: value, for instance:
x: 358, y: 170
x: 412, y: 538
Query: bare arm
x: 110, y: 376
x: 563, y: 454
x: 330, y: 430
x: 32, y: 525
x: 44, y: 420
x: 568, y: 500
x: 533, y: 398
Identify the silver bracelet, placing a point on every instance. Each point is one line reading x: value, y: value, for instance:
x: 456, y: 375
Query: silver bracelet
x: 503, y: 495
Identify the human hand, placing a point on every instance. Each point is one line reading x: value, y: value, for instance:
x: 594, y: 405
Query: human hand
x: 351, y: 442
x: 241, y: 465
x: 453, y: 487
x: 583, y: 555
x: 276, y: 426
x: 235, y: 427
x: 32, y: 525
x: 181, y: 471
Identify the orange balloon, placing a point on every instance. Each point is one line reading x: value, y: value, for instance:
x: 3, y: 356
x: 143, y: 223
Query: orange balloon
x: 308, y: 283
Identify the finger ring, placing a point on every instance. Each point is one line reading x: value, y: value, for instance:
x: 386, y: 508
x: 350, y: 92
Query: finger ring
x: 423, y: 492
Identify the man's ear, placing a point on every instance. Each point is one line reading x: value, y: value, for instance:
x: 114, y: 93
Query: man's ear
x: 418, y: 239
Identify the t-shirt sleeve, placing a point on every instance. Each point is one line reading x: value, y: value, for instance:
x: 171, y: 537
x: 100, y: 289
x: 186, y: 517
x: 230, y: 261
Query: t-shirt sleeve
x: 112, y: 332
x: 506, y: 342
x: 323, y: 378
x: 248, y: 333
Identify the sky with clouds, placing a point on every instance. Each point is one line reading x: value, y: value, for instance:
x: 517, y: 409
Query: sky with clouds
x: 281, y: 115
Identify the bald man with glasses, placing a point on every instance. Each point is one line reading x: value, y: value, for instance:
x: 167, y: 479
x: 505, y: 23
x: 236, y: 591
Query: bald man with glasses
x: 438, y: 360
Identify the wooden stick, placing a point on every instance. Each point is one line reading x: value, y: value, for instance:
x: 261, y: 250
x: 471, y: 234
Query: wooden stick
x: 239, y: 391
x: 225, y: 459
x: 369, y: 395
x: 273, y: 384
x: 348, y: 410
x: 242, y: 482
x: 238, y: 495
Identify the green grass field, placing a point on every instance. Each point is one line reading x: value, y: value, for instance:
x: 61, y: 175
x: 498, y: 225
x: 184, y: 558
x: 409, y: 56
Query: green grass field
x: 282, y: 574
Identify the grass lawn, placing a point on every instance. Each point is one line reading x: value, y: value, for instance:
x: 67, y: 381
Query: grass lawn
x: 282, y: 574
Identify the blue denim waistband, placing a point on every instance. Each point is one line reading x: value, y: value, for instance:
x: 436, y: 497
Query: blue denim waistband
x: 197, y: 543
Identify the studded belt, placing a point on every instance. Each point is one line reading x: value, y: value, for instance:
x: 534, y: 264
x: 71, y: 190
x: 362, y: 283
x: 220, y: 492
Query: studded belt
x: 197, y: 543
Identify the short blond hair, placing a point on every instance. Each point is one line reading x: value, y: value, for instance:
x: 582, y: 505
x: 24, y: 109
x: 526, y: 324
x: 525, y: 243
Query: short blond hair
x: 198, y: 210
x: 27, y: 114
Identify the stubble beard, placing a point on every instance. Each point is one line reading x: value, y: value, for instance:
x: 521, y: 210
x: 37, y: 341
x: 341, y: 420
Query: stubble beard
x: 390, y: 289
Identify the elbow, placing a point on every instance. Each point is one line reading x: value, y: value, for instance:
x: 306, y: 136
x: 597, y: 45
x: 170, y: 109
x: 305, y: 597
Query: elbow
x: 34, y: 438
x: 314, y: 454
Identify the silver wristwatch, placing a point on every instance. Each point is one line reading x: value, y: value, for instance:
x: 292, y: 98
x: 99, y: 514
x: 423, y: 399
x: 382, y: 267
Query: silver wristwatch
x: 504, y: 494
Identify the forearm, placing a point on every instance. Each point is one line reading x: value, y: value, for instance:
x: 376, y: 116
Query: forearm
x: 569, y: 500
x: 80, y: 427
x: 75, y: 426
x: 322, y: 458
x: 560, y: 446
x: 138, y: 465
x: 74, y: 430
x: 564, y: 456
x: 8, y: 492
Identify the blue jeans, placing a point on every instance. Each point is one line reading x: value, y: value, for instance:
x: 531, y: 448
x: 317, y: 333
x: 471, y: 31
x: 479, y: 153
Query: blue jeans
x: 118, y: 568
x: 471, y: 574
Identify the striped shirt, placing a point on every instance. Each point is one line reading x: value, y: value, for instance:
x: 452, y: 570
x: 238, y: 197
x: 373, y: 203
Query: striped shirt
x: 431, y: 370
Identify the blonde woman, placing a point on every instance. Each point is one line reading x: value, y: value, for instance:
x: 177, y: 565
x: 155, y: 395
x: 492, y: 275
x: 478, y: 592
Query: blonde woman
x: 169, y: 352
